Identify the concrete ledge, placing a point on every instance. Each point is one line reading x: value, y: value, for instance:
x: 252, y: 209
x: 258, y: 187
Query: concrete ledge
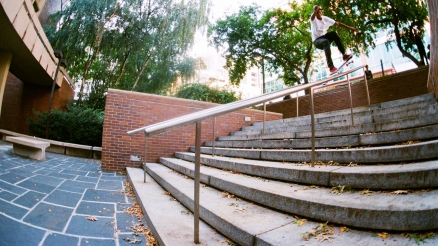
x: 6, y: 133
x: 78, y: 150
x: 97, y: 152
x: 55, y: 146
x: 62, y: 148
x: 28, y: 147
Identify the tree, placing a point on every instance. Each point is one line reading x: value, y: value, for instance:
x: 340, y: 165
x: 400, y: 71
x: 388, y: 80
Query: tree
x: 279, y: 38
x: 132, y: 45
x: 402, y: 16
x: 202, y: 92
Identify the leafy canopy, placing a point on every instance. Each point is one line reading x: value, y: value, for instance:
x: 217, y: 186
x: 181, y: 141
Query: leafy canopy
x: 131, y: 45
x: 202, y: 92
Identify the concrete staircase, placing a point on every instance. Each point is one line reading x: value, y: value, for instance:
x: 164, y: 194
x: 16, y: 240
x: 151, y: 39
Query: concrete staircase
x: 373, y: 183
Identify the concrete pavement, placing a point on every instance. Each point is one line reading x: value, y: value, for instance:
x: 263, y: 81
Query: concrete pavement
x: 48, y: 202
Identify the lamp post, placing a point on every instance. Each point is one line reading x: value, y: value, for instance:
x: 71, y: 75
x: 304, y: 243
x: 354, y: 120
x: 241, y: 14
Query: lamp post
x: 63, y: 63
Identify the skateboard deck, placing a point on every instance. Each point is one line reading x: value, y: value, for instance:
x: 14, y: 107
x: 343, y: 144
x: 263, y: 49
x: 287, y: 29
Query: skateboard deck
x: 346, y: 63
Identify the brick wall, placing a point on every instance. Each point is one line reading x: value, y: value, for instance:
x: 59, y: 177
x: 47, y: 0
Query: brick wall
x: 400, y: 85
x: 11, y: 106
x: 20, y: 99
x: 127, y: 111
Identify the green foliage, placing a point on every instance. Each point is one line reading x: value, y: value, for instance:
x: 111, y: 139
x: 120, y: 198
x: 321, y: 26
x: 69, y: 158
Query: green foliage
x: 276, y: 39
x: 400, y: 16
x: 131, y: 45
x: 79, y: 125
x: 202, y: 92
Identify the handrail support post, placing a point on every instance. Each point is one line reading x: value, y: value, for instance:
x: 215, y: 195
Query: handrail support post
x: 214, y: 136
x: 298, y: 110
x: 312, y: 119
x: 264, y: 118
x: 366, y: 87
x: 145, y: 151
x: 197, y: 181
x: 351, y: 100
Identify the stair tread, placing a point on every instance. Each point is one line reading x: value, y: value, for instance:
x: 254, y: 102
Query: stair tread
x: 379, y: 154
x: 409, y: 176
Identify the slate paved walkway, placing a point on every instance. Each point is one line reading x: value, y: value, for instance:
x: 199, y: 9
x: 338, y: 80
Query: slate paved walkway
x: 47, y: 202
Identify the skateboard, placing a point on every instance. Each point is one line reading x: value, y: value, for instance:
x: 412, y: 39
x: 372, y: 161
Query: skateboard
x: 346, y: 63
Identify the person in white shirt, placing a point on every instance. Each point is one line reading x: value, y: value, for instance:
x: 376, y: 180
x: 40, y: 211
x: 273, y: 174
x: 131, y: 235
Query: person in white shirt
x: 323, y: 39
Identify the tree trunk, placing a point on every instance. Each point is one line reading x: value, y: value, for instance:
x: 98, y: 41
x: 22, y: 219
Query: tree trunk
x: 141, y: 72
x: 123, y: 68
x: 433, y: 68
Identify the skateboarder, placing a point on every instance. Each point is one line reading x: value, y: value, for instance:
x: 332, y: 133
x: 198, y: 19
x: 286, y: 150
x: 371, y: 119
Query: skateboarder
x: 322, y: 39
x: 368, y: 73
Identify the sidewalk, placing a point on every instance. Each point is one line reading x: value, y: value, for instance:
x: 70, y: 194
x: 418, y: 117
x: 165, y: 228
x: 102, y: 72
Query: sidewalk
x: 48, y: 202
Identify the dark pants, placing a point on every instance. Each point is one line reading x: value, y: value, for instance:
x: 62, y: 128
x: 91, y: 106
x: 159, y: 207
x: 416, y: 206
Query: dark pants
x: 421, y: 50
x: 324, y: 43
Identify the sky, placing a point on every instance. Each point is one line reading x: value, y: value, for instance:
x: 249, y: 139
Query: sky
x: 221, y: 8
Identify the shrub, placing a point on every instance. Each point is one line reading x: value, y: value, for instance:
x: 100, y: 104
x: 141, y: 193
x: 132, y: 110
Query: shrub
x: 202, y: 92
x: 77, y: 125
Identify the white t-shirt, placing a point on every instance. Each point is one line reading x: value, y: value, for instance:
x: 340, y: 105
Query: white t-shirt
x: 320, y: 27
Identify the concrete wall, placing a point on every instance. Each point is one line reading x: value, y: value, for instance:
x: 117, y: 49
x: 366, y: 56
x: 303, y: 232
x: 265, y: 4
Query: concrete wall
x: 127, y: 111
x: 20, y: 99
x: 401, y: 85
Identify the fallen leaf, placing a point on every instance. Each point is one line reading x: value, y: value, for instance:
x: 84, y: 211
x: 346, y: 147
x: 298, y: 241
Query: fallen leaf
x: 322, y: 237
x: 132, y: 241
x: 239, y: 210
x: 366, y: 192
x: 299, y: 222
x: 383, y: 235
x: 344, y: 229
x: 91, y: 218
x: 398, y: 192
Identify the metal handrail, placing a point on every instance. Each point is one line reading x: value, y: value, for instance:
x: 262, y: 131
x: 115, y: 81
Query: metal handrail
x: 188, y: 119
x: 198, y: 117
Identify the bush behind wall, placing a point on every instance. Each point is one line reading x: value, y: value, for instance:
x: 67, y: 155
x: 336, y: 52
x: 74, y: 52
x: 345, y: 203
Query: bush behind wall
x: 77, y: 125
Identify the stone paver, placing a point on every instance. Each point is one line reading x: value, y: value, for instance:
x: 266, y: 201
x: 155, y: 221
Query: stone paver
x: 47, y: 202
